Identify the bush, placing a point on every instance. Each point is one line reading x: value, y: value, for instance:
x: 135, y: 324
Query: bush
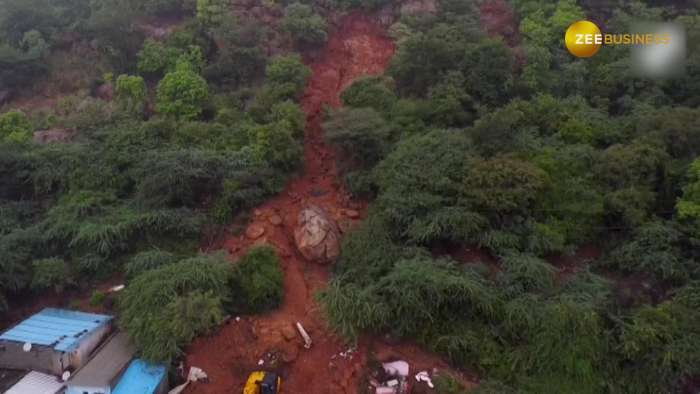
x: 50, y: 274
x: 97, y: 298
x: 655, y: 249
x: 257, y: 282
x: 131, y: 94
x: 287, y: 76
x: 305, y: 26
x: 146, y: 261
x: 182, y: 93
x: 370, y: 92
x: 361, y: 136
x: 447, y: 384
x: 210, y: 13
x: 164, y: 308
x: 15, y: 127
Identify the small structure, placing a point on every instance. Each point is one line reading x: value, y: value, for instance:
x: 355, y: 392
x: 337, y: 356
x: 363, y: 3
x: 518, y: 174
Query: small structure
x: 53, y: 341
x: 143, y: 378
x: 10, y: 377
x: 37, y: 383
x: 100, y: 374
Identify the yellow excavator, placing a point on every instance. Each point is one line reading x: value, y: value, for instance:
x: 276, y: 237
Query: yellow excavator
x: 261, y: 382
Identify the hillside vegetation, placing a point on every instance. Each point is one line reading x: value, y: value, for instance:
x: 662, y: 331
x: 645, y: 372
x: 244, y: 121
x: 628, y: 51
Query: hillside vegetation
x: 481, y: 134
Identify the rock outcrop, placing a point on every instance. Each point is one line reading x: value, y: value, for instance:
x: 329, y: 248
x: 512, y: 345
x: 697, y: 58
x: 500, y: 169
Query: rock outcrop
x: 317, y: 235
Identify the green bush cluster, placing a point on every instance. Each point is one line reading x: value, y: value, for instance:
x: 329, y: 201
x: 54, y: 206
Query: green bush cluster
x: 464, y: 144
x: 169, y: 302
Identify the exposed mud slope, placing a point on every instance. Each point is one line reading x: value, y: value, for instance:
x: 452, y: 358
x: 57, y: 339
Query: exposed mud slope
x: 357, y: 47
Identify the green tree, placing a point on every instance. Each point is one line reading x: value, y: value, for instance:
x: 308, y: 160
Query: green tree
x: 131, y: 94
x: 182, y: 93
x: 287, y: 75
x: 164, y: 308
x: 370, y: 92
x: 688, y: 206
x: 361, y: 136
x: 211, y: 13
x: 258, y: 282
x: 15, y: 127
x: 304, y: 25
x: 488, y: 70
x: 51, y: 274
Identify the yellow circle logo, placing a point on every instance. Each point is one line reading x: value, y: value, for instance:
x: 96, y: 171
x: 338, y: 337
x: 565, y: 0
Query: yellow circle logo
x: 583, y: 39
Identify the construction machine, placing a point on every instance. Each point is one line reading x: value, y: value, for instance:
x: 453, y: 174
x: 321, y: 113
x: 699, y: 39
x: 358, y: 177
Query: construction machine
x: 262, y: 382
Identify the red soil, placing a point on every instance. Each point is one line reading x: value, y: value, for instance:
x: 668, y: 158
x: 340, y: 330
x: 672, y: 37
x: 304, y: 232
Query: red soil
x: 358, y: 46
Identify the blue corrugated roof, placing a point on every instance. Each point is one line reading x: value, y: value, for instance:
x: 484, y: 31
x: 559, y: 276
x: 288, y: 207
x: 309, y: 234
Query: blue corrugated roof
x: 140, y: 378
x: 61, y: 329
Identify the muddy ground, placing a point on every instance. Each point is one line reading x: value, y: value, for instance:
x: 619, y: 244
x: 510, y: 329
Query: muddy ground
x: 358, y: 46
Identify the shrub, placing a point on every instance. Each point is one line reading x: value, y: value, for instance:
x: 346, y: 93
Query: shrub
x: 286, y: 76
x: 182, y: 93
x: 15, y: 127
x: 305, y: 26
x: 97, y: 298
x: 370, y: 92
x: 257, y: 282
x: 210, y: 13
x: 50, y: 273
x: 131, y: 94
x: 447, y: 384
x: 361, y: 136
x: 164, y: 308
x: 656, y: 249
x: 148, y: 260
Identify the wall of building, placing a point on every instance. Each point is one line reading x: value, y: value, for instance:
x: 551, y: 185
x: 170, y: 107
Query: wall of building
x: 81, y: 355
x: 40, y: 358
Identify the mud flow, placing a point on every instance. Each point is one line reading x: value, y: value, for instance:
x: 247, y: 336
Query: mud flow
x: 357, y: 47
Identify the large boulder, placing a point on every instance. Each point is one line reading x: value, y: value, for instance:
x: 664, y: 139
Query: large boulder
x: 317, y: 235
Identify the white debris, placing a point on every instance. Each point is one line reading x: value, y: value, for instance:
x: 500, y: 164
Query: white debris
x: 116, y: 289
x: 261, y: 362
x: 238, y: 318
x: 392, y: 383
x: 423, y: 376
x: 195, y: 375
x: 305, y: 335
x: 396, y: 368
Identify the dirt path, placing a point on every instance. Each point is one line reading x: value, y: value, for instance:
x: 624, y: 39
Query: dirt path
x: 357, y: 47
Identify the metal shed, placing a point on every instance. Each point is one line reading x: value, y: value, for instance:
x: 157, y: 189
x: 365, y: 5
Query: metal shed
x: 53, y: 340
x: 102, y: 372
x: 143, y: 378
x: 37, y: 383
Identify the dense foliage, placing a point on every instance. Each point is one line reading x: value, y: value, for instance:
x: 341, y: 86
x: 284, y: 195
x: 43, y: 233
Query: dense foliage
x: 484, y: 134
x: 511, y: 145
x: 166, y: 141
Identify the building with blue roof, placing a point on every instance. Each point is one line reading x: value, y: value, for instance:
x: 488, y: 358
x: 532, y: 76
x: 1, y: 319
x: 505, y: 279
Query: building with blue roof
x: 53, y: 340
x: 143, y: 378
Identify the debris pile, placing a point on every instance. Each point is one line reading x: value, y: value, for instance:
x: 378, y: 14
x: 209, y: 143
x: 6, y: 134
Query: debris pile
x: 392, y: 378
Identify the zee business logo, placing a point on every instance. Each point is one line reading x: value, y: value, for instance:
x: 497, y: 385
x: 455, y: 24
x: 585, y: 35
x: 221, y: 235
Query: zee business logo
x: 584, y: 39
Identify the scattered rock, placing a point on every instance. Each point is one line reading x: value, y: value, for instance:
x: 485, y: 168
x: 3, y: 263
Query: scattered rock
x: 275, y: 220
x: 289, y: 333
x: 254, y: 231
x: 351, y: 213
x: 317, y: 235
x: 290, y: 352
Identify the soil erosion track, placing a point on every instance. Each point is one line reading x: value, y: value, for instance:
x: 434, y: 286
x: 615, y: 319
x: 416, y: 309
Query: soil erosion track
x: 358, y: 46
